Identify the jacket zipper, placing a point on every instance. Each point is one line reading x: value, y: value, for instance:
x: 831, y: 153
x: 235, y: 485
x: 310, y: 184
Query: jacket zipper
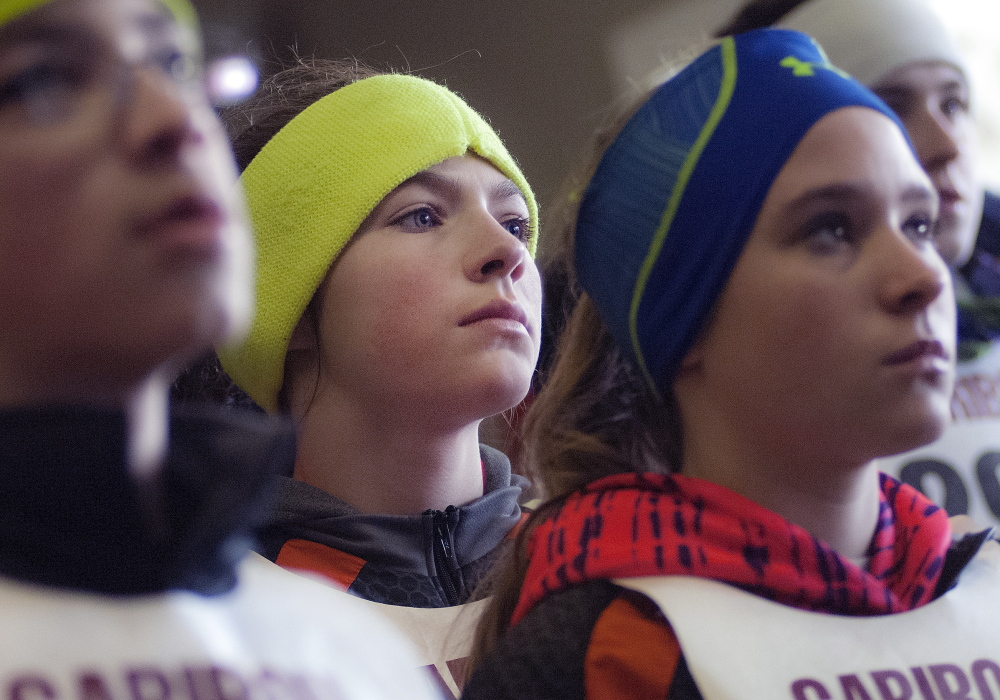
x: 449, y: 572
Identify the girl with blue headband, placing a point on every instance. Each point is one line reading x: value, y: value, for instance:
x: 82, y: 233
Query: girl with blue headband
x: 125, y: 568
x: 904, y: 52
x: 398, y: 305
x: 763, y: 315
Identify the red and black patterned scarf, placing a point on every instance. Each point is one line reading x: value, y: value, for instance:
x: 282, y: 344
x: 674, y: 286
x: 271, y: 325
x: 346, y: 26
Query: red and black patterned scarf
x: 652, y: 525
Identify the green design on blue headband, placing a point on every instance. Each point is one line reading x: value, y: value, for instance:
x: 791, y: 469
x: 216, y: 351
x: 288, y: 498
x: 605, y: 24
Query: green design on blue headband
x: 721, y: 103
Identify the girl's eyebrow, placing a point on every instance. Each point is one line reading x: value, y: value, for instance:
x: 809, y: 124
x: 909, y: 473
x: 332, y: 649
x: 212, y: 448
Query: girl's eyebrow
x: 847, y: 191
x: 449, y: 188
x: 153, y: 25
x: 44, y: 31
x: 438, y: 184
x: 506, y: 189
x: 156, y: 24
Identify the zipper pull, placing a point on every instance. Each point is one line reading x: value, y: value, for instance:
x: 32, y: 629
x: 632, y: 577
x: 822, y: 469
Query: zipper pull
x: 445, y: 560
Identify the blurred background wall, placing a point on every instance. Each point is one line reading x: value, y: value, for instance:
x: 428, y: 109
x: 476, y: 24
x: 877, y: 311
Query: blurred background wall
x: 544, y: 72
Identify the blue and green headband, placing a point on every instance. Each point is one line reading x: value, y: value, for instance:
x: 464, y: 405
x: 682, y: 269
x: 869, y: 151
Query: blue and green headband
x: 677, y: 193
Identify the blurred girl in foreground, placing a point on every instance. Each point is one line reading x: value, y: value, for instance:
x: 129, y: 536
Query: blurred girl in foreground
x: 124, y: 254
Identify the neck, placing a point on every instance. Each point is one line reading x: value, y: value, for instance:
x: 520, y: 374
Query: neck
x: 381, y: 462
x: 833, y: 497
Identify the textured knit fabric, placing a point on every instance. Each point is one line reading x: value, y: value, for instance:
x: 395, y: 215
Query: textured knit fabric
x: 12, y: 9
x: 72, y: 516
x: 595, y: 640
x: 654, y: 525
x: 869, y: 38
x: 677, y: 193
x: 394, y: 559
x: 315, y: 182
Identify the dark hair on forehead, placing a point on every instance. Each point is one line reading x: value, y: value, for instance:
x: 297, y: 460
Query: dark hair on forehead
x: 282, y: 97
x: 757, y: 14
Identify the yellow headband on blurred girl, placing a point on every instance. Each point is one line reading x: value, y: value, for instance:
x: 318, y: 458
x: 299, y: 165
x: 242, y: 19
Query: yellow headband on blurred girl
x: 182, y: 10
x: 315, y: 182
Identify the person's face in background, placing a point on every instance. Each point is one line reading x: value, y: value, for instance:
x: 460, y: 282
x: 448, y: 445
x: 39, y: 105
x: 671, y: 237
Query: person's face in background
x: 123, y: 246
x: 932, y: 100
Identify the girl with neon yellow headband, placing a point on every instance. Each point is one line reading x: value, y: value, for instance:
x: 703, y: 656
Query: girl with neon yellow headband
x: 398, y: 305
x: 124, y: 253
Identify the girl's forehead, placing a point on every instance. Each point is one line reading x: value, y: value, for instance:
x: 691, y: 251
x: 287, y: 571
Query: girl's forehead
x: 128, y: 22
x: 452, y: 174
x: 921, y: 77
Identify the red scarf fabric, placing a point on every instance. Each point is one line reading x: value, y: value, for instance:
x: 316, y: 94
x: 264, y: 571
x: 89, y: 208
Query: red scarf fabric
x: 653, y: 525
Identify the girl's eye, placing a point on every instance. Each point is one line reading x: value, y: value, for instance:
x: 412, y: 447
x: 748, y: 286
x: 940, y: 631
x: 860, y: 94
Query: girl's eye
x: 828, y: 233
x: 180, y: 66
x: 45, y: 90
x: 954, y: 106
x: 418, y: 220
x: 919, y: 228
x: 519, y: 228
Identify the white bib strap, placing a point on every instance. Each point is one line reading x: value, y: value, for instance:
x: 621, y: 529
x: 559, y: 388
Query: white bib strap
x: 442, y: 637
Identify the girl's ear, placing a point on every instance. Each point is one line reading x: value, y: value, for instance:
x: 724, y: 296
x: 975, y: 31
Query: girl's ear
x: 692, y: 360
x: 304, y: 334
x: 301, y: 365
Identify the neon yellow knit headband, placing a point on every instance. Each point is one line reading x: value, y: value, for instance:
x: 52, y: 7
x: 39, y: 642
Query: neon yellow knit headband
x: 12, y: 9
x: 315, y: 181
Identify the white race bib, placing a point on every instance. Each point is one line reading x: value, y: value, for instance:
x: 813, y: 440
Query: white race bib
x: 442, y: 637
x: 277, y: 636
x: 961, y: 470
x: 739, y: 646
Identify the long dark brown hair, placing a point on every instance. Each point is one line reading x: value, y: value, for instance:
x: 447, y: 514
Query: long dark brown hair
x: 757, y: 14
x: 594, y: 416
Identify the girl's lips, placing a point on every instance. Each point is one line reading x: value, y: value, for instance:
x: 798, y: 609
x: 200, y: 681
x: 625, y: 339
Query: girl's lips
x: 499, y: 309
x: 189, y: 224
x: 949, y: 196
x: 930, y: 349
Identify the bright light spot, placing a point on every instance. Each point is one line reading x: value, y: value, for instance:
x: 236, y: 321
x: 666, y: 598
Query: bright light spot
x: 232, y: 79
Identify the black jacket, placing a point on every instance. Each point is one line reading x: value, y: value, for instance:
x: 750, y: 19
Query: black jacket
x: 431, y: 560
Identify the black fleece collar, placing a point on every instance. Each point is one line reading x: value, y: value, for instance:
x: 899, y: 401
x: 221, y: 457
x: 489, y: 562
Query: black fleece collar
x: 72, y: 516
x: 399, y: 542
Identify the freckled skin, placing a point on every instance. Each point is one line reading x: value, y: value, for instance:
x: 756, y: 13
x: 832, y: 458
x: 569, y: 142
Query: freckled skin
x: 392, y: 303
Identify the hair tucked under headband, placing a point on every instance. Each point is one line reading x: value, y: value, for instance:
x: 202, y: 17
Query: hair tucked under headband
x: 672, y: 202
x: 869, y: 38
x: 182, y: 10
x: 314, y: 183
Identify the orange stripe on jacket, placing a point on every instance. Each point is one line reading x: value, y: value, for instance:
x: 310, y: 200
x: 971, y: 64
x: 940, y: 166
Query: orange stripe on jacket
x: 631, y: 655
x: 340, y: 567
